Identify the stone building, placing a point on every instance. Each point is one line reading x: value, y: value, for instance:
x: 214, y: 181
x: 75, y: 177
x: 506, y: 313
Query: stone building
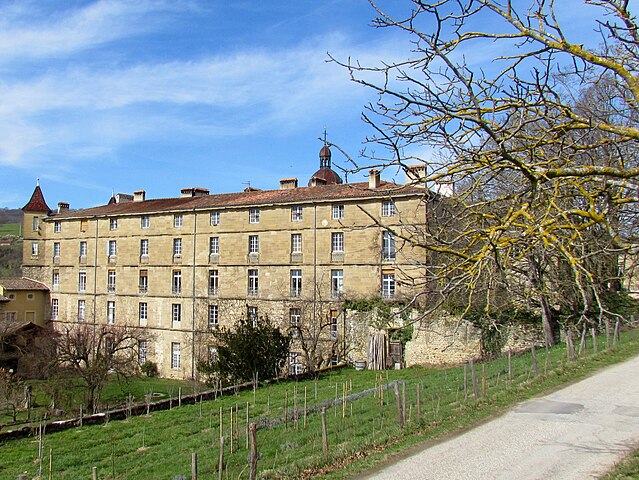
x: 181, y: 267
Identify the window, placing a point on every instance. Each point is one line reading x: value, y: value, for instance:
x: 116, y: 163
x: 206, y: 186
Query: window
x: 388, y: 246
x: 177, y: 247
x: 253, y: 281
x: 143, y: 281
x: 213, y: 316
x: 82, y: 310
x: 254, y: 215
x: 144, y: 247
x: 110, y: 312
x: 175, y: 355
x: 296, y: 214
x: 388, y: 285
x: 142, y: 351
x: 84, y: 225
x: 213, y: 282
x: 295, y: 366
x: 83, y: 249
x: 111, y: 281
x: 176, y: 286
x: 254, y: 244
x: 296, y: 283
x: 337, y: 242
x: 215, y: 218
x: 333, y: 329
x: 143, y: 313
x: 296, y: 243
x: 176, y: 312
x: 56, y: 279
x: 57, y: 226
x: 11, y: 316
x: 56, y: 249
x: 213, y: 355
x: 145, y: 221
x: 113, y: 224
x: 82, y: 281
x: 251, y: 314
x: 388, y: 209
x: 36, y: 224
x: 54, y: 309
x: 337, y: 212
x: 178, y: 220
x: 112, y: 248
x: 337, y: 283
x: 34, y: 248
x: 214, y: 246
x: 295, y: 318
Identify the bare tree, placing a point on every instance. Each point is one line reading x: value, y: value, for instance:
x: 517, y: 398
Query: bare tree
x: 540, y: 146
x: 93, y: 352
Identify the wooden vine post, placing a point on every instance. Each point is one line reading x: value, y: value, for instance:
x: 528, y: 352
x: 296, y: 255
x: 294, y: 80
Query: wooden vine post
x: 253, y: 455
x: 324, y: 433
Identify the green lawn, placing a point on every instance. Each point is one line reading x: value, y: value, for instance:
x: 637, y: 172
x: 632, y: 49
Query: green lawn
x: 10, y: 229
x: 360, y: 435
x: 628, y: 469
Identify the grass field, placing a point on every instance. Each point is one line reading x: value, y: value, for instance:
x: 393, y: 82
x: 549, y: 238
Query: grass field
x: 628, y: 469
x: 10, y: 229
x: 361, y: 433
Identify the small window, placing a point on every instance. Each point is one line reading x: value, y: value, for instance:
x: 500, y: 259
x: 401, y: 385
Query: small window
x: 36, y: 224
x: 176, y: 286
x: 213, y: 282
x: 176, y: 312
x: 296, y: 283
x: 213, y: 355
x: 388, y: 246
x: 296, y: 214
x: 214, y: 245
x: 56, y: 250
x: 388, y: 285
x: 84, y: 225
x: 57, y: 226
x: 30, y: 296
x: 178, y: 220
x: 254, y: 215
x: 337, y: 212
x: 144, y: 247
x: 215, y: 218
x: 111, y: 281
x: 296, y: 243
x: 175, y: 355
x: 295, y: 318
x: 142, y: 351
x: 253, y: 281
x: 251, y: 313
x: 333, y: 329
x: 254, y: 244
x: 56, y: 279
x: 388, y: 209
x: 295, y: 366
x: 337, y: 242
x: 177, y: 247
x: 213, y: 316
x: 337, y: 283
x: 143, y: 281
x: 113, y: 224
x: 112, y: 248
x: 110, y: 312
x: 143, y: 313
x: 145, y: 221
x: 82, y: 281
x: 35, y: 249
x: 83, y: 249
x: 55, y: 307
x: 82, y: 309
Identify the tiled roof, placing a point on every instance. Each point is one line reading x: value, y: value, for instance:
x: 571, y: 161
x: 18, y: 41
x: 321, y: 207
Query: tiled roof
x: 22, y: 284
x: 37, y: 202
x: 253, y: 197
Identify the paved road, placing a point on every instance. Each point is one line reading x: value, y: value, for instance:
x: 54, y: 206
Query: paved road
x: 578, y: 432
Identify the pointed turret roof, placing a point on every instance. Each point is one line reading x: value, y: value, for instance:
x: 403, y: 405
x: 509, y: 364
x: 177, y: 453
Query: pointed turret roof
x: 37, y: 202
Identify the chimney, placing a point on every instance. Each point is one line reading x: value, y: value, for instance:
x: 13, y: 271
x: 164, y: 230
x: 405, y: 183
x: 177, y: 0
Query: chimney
x: 373, y: 178
x: 415, y: 175
x: 193, y: 192
x: 63, y: 207
x: 288, y: 183
x: 139, y: 196
x: 123, y: 197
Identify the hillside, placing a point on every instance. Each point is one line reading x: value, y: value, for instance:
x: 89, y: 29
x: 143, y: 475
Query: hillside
x: 11, y: 254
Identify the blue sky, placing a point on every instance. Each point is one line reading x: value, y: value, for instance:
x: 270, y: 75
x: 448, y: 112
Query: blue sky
x: 159, y: 95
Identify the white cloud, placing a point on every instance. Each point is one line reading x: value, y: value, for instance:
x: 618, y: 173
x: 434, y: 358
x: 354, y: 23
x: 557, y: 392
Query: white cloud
x: 29, y: 32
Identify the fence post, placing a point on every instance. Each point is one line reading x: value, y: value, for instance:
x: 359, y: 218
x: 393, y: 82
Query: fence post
x: 473, y: 376
x: 533, y: 355
x: 220, y: 465
x: 324, y: 433
x: 253, y: 456
x: 94, y: 473
x: 419, y: 401
x: 398, y: 399
x: 194, y: 466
